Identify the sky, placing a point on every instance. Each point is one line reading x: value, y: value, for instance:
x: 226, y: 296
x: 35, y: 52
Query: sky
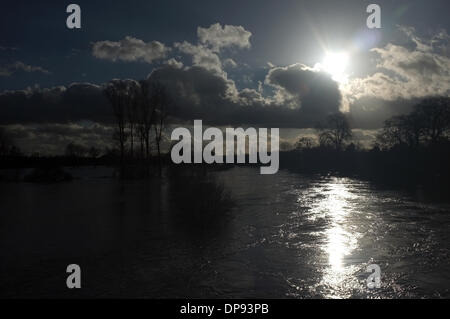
x: 261, y: 63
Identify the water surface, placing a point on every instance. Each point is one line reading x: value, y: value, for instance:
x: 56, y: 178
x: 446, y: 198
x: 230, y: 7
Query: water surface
x: 291, y: 236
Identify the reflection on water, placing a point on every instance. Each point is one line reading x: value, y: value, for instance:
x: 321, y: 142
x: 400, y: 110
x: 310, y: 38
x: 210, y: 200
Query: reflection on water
x: 290, y: 236
x: 336, y: 207
x: 327, y: 230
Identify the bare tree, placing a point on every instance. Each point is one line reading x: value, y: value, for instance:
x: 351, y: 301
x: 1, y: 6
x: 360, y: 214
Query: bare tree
x: 434, y: 114
x: 132, y: 111
x: 396, y: 131
x: 160, y: 101
x: 94, y: 152
x: 335, y: 131
x: 429, y: 123
x: 119, y: 95
x: 146, y: 112
x: 76, y: 150
x: 5, y: 143
x: 304, y: 143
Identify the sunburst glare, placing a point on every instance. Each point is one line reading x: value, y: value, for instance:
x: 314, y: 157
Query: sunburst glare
x: 336, y: 65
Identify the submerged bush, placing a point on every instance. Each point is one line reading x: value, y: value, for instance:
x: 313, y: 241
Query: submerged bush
x: 201, y: 203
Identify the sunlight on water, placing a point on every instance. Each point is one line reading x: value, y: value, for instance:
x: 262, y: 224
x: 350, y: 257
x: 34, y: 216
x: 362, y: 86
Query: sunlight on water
x: 291, y: 235
x: 340, y: 242
x: 335, y: 207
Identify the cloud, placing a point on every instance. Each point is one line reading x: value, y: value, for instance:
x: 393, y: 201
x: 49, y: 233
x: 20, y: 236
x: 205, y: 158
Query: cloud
x: 250, y: 96
x: 60, y: 104
x: 293, y: 96
x: 201, y: 56
x: 211, y: 40
x: 230, y: 63
x: 130, y: 50
x: 174, y: 63
x: 404, y: 74
x: 8, y: 48
x: 301, y: 87
x: 18, y: 66
x: 218, y: 37
x: 417, y: 70
x: 52, y: 138
x: 196, y: 91
x: 46, y: 120
x: 365, y: 137
x: 302, y: 96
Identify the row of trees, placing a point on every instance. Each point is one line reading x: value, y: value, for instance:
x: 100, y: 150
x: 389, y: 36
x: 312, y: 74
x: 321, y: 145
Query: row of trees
x: 7, y: 147
x: 78, y: 150
x: 333, y: 133
x: 140, y: 111
x: 427, y: 124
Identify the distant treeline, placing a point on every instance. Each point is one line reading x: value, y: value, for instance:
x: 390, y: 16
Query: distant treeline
x: 411, y: 148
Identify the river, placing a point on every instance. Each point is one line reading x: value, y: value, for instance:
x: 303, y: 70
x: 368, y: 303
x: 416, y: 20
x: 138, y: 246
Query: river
x: 290, y: 236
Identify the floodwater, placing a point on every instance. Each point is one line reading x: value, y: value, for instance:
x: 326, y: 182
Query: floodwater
x: 290, y: 236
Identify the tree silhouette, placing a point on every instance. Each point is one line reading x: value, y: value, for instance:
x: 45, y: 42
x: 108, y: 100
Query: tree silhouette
x: 434, y: 114
x: 94, y: 152
x: 120, y: 94
x: 138, y: 108
x: 132, y: 112
x: 397, y: 131
x: 160, y: 100
x: 7, y: 147
x: 304, y: 143
x: 335, y: 131
x: 76, y: 150
x: 146, y: 112
x: 428, y: 123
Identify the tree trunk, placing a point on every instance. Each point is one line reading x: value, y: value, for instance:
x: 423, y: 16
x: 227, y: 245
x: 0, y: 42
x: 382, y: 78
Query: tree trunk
x: 132, y: 142
x: 159, y: 159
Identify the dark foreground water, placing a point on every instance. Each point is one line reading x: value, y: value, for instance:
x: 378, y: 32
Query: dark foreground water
x: 292, y: 236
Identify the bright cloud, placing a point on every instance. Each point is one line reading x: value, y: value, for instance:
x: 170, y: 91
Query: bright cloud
x: 218, y: 37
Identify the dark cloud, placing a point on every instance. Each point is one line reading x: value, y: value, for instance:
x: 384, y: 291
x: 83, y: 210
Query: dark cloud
x: 302, y: 97
x: 371, y: 112
x: 313, y: 92
x: 79, y: 101
x: 206, y: 94
x: 197, y: 92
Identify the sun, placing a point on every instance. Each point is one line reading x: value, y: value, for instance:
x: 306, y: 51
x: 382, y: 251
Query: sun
x: 336, y: 65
